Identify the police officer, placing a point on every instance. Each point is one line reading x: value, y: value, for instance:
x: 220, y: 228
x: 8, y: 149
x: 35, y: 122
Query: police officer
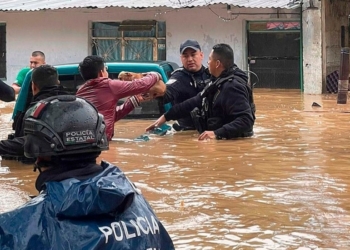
x: 225, y: 108
x: 44, y: 84
x: 82, y: 204
x: 186, y: 81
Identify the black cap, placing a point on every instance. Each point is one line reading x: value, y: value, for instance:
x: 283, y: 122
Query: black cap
x: 189, y: 44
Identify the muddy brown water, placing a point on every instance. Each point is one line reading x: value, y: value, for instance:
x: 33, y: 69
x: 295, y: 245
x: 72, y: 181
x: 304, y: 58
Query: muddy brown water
x: 288, y: 187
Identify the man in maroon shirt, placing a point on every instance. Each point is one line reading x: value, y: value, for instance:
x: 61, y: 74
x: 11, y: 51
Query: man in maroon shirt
x: 104, y: 92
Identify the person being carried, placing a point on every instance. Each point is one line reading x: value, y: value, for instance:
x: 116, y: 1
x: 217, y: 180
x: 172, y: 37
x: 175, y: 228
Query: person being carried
x: 225, y: 108
x: 104, y: 92
x: 184, y: 82
x: 82, y: 204
x: 37, y: 58
x: 45, y: 83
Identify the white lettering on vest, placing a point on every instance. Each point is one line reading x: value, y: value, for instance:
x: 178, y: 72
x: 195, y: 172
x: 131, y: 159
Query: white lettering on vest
x: 144, y: 230
x: 149, y: 225
x: 114, y: 226
x: 127, y: 234
x: 106, y: 231
x: 138, y: 232
x: 130, y: 229
x: 155, y: 226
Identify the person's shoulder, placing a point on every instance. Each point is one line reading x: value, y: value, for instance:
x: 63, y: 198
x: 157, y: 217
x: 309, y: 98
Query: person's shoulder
x: 178, y: 76
x: 98, y: 81
x: 232, y: 85
x: 21, y: 75
x: 24, y: 70
x: 109, y: 167
x: 202, y: 71
x: 30, y: 207
x: 179, y: 72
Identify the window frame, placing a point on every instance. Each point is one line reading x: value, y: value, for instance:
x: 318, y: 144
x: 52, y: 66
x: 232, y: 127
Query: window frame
x: 123, y: 39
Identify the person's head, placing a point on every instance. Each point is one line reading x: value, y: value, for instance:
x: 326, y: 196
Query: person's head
x: 37, y: 59
x: 220, y: 59
x: 93, y: 67
x: 64, y: 127
x: 44, y: 76
x: 191, y: 55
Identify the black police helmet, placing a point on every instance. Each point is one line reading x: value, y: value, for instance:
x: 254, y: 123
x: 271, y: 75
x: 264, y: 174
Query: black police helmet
x: 63, y: 125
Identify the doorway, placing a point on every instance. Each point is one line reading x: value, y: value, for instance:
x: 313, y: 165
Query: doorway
x: 274, y: 53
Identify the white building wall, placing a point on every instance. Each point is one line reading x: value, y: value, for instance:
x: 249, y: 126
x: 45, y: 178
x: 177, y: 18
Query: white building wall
x: 63, y: 35
x: 312, y: 49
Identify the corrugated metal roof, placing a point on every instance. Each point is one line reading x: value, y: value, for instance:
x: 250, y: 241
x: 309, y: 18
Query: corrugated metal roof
x: 34, y: 5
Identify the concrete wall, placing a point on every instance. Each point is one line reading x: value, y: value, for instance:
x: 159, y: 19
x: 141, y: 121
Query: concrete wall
x: 64, y: 35
x: 312, y: 49
x: 322, y: 41
x: 336, y: 13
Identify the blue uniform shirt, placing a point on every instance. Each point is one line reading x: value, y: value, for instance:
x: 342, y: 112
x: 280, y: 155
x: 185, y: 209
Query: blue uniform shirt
x: 183, y: 85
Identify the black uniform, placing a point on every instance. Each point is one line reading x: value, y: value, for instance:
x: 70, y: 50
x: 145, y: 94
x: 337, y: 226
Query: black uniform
x: 226, y: 106
x: 183, y: 85
x: 14, y: 147
x: 7, y: 93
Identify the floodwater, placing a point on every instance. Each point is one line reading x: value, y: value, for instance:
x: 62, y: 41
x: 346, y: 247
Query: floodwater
x: 288, y: 187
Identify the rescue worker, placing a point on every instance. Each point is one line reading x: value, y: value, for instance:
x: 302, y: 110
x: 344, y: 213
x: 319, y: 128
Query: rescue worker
x: 82, y: 204
x: 184, y: 82
x: 105, y: 93
x: 225, y: 108
x: 45, y: 83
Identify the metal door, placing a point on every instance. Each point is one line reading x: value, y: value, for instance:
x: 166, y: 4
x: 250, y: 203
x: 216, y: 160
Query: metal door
x: 274, y: 55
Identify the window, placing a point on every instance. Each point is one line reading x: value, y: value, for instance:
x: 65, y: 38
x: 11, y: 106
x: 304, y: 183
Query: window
x: 71, y: 83
x: 2, y: 50
x: 135, y: 40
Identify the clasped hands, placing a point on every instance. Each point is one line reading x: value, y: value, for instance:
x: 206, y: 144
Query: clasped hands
x: 157, y: 90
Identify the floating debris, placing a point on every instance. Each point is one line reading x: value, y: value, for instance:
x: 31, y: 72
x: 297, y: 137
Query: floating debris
x: 315, y: 104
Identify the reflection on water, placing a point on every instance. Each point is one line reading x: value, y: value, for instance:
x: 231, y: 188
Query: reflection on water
x: 285, y: 188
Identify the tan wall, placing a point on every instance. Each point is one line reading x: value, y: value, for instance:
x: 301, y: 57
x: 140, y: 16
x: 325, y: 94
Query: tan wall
x: 312, y: 49
x: 322, y: 41
x: 336, y: 15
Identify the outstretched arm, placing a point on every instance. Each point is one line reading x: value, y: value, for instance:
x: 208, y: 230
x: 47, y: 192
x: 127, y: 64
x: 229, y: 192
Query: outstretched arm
x: 177, y: 111
x: 129, y: 105
x: 161, y: 120
x: 122, y: 89
x: 129, y: 76
x: 183, y: 109
x: 173, y: 89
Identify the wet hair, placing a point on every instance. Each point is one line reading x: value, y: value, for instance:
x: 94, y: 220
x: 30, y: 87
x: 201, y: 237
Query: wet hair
x: 91, y: 66
x: 224, y: 53
x: 38, y: 53
x: 44, y: 76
